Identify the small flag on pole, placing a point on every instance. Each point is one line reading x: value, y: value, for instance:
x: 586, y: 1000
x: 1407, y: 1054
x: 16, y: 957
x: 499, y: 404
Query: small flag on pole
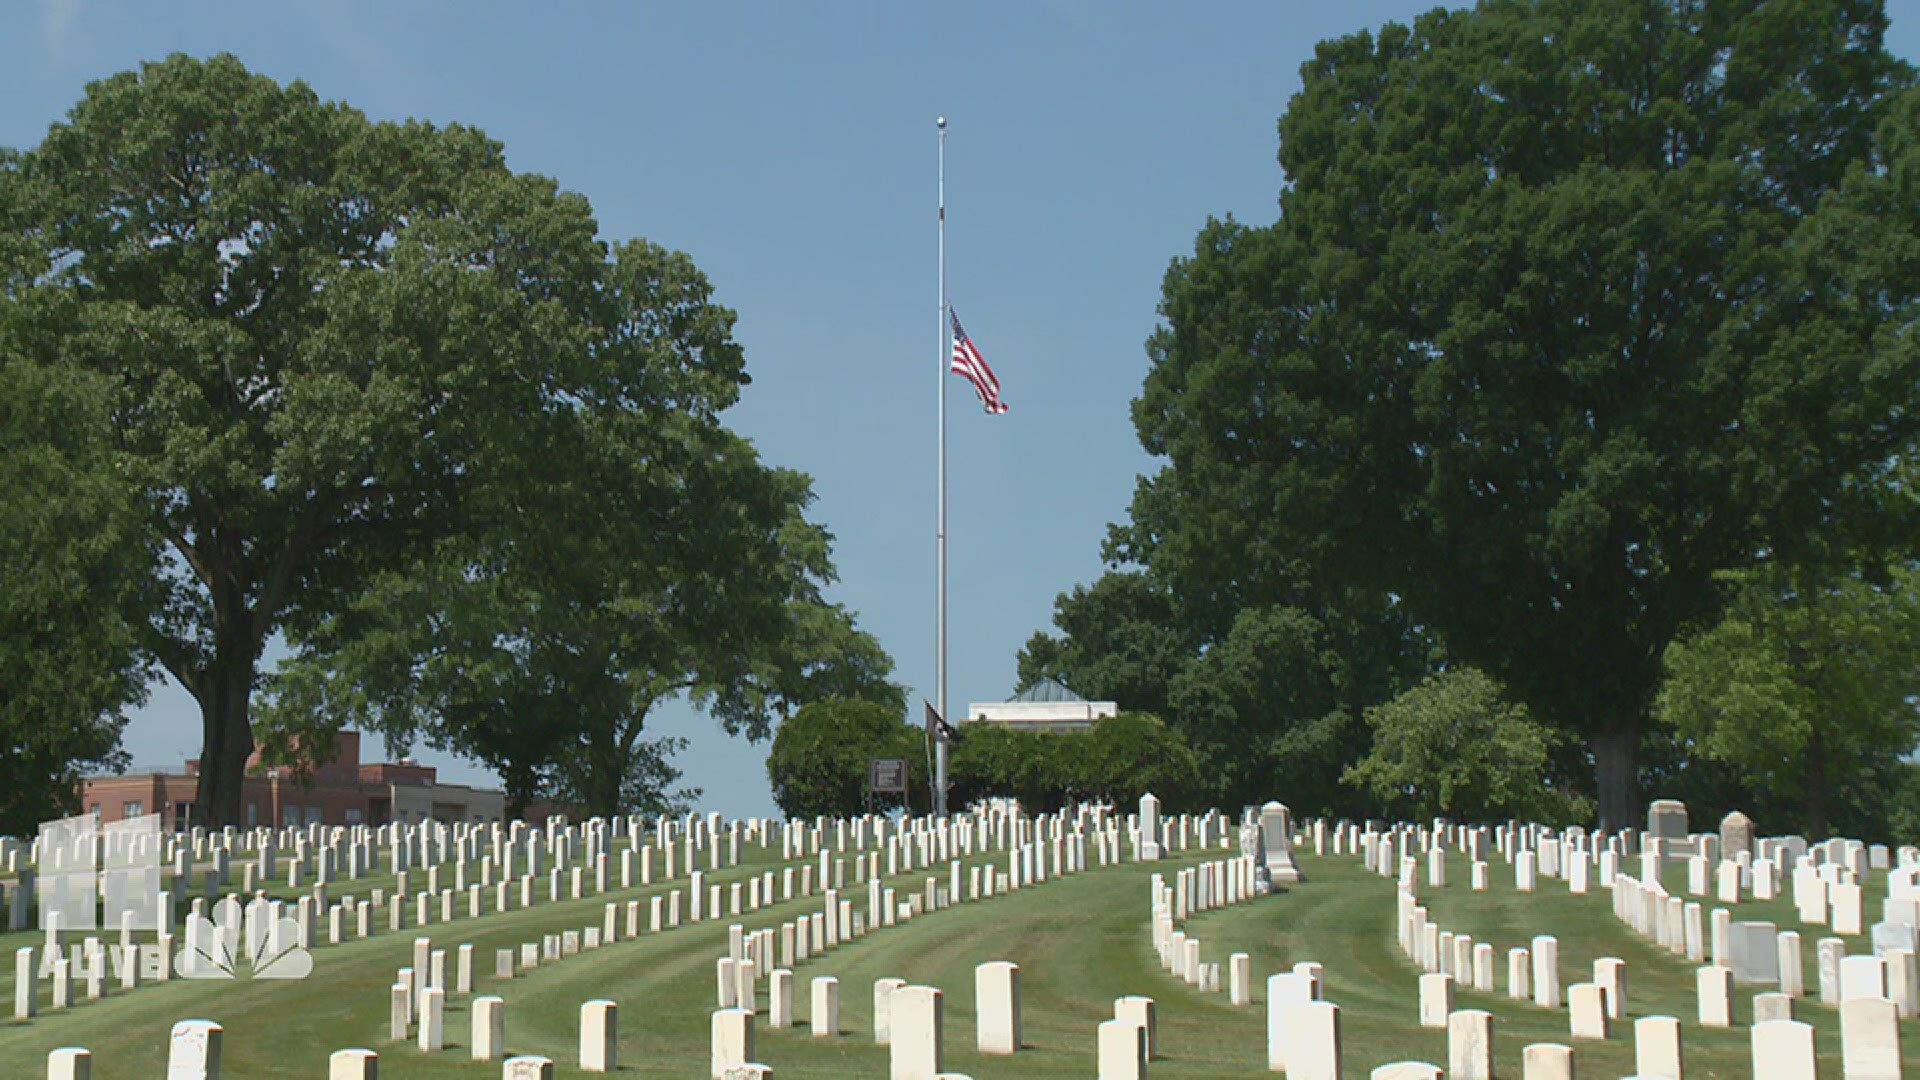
x: 938, y: 725
x: 971, y: 366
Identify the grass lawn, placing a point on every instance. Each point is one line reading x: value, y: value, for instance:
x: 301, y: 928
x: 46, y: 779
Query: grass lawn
x: 1080, y: 941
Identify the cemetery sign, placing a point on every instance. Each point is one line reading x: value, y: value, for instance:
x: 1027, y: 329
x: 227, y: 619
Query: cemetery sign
x: 888, y: 776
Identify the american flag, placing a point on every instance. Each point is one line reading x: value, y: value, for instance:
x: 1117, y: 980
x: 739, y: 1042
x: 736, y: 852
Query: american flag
x: 971, y: 366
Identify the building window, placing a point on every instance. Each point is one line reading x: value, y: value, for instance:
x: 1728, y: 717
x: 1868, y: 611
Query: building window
x: 290, y: 817
x: 132, y: 810
x: 95, y: 811
x: 353, y: 817
x: 313, y: 815
x: 253, y: 815
x: 182, y: 816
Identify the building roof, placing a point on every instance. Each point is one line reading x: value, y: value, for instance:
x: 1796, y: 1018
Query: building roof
x: 1047, y: 690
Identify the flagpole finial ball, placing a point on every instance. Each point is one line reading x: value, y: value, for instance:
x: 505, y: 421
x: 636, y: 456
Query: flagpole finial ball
x: 942, y: 123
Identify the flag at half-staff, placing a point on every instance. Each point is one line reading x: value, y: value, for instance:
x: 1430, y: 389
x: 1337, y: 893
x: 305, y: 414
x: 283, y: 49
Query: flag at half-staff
x: 971, y: 366
x: 937, y: 725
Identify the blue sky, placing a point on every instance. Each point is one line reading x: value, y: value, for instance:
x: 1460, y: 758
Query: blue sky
x: 790, y: 149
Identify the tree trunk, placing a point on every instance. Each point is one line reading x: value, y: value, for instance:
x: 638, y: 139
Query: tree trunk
x: 518, y: 787
x: 1616, y: 774
x: 1815, y: 804
x: 606, y: 773
x: 227, y: 730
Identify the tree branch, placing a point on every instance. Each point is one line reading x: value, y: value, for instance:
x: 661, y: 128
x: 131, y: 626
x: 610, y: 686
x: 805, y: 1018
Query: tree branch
x: 174, y: 657
x: 191, y: 553
x: 308, y: 527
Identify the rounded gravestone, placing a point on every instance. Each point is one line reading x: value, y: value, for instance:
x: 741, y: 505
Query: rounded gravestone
x: 1736, y: 835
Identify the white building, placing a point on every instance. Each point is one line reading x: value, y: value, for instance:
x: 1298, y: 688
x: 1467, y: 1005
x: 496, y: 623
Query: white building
x: 1044, y: 706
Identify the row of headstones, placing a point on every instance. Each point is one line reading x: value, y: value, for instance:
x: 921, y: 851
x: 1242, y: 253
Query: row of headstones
x: 1757, y: 953
x: 431, y: 845
x: 753, y: 892
x: 1869, y: 1029
x: 1456, y: 959
x: 1781, y: 1049
x: 912, y: 843
x: 1027, y: 863
x: 74, y: 845
x: 1826, y: 877
x: 598, y: 1019
x: 1152, y: 836
x: 47, y: 892
x: 911, y: 1022
x: 1666, y: 841
x: 194, y: 1051
x: 1825, y: 893
x: 1679, y: 925
x: 417, y: 995
x: 1303, y: 1032
x: 1196, y: 889
x: 1822, y: 888
x: 1869, y: 1023
x: 418, y: 1005
x: 907, y: 1019
x: 133, y: 964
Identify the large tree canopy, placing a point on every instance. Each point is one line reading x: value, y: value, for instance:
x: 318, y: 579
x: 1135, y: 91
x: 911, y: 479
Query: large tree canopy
x: 542, y: 649
x: 349, y: 356
x: 821, y: 759
x: 1569, y: 305
x: 1267, y: 695
x: 72, y: 560
x: 1453, y: 747
x: 1803, y: 684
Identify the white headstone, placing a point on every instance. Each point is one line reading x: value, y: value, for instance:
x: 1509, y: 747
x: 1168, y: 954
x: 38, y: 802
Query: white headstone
x: 1470, y: 1045
x: 825, y: 1018
x: 1122, y: 1051
x: 1715, y: 987
x: 1656, y: 1048
x: 1313, y: 1038
x: 917, y: 1049
x: 1783, y: 1050
x: 1869, y: 1039
x: 996, y: 987
x: 599, y: 1036
x: 193, y: 1050
x: 489, y: 1028
x: 353, y: 1065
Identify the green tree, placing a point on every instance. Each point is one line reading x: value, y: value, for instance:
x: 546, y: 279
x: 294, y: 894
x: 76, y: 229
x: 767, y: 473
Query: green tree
x: 542, y: 641
x: 1801, y: 684
x: 1568, y: 306
x: 1455, y: 747
x: 1265, y: 708
x: 72, y: 558
x: 1267, y: 694
x: 1119, y: 640
x: 334, y: 344
x: 1132, y: 753
x: 994, y: 762
x: 821, y: 755
x: 73, y: 555
x: 1117, y: 761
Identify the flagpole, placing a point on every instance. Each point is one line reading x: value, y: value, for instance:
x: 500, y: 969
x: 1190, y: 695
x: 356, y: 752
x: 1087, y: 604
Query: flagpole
x: 940, y: 592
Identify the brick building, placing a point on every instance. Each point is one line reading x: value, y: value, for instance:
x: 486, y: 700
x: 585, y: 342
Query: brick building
x: 342, y: 791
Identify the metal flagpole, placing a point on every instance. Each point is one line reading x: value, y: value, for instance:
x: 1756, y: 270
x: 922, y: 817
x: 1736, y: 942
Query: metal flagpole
x: 940, y: 594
